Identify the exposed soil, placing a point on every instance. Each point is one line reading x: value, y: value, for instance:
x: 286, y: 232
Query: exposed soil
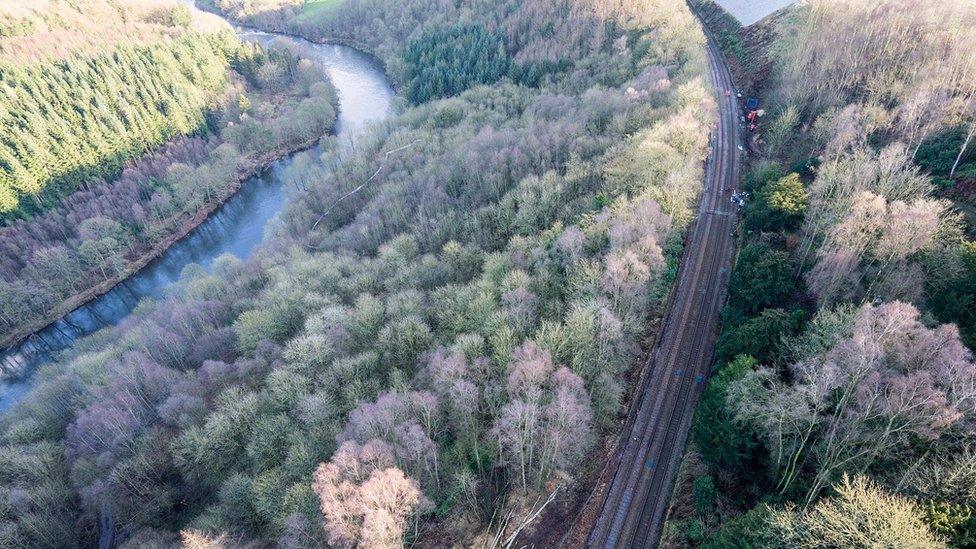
x: 751, y: 66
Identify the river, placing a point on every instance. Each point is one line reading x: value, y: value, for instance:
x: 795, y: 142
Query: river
x: 237, y: 227
x: 750, y: 11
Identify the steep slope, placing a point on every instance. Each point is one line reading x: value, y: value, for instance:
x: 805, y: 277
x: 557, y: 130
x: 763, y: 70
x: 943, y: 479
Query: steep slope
x: 448, y: 310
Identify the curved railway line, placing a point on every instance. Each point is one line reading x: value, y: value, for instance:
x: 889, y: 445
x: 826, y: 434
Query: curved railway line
x: 653, y: 439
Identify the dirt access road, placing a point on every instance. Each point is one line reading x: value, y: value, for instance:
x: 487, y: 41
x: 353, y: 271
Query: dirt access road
x: 649, y: 452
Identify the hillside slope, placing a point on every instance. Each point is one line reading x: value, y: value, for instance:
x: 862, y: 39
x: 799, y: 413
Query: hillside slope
x: 442, y: 324
x: 117, y: 148
x: 840, y: 412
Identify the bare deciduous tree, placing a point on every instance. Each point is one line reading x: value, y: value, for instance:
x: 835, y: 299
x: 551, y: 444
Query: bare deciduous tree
x: 859, y: 514
x: 868, y: 396
x: 547, y: 425
x: 365, y: 499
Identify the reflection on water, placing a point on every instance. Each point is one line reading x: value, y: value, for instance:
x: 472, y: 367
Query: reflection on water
x: 236, y: 228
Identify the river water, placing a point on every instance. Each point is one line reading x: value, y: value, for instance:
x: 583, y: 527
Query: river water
x: 750, y: 11
x: 237, y: 227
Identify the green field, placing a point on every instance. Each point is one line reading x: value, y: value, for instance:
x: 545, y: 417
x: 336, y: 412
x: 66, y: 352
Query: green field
x: 318, y: 10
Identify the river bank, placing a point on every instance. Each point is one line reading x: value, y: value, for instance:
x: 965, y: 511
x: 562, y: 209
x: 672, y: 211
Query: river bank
x: 235, y: 227
x: 281, y: 31
x: 183, y: 228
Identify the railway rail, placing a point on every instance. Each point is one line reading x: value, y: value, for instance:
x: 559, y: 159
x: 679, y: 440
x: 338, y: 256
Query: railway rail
x: 654, y: 437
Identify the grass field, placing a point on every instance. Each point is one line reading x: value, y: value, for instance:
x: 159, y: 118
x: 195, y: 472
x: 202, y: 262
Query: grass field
x: 318, y: 9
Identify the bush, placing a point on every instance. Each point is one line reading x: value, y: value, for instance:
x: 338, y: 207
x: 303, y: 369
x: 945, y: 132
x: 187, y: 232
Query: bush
x: 951, y: 289
x: 938, y: 153
x: 747, y: 531
x: 952, y: 521
x: 703, y: 494
x: 762, y: 175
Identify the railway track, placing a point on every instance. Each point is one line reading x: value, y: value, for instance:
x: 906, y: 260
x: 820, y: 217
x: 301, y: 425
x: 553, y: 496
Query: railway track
x: 654, y: 437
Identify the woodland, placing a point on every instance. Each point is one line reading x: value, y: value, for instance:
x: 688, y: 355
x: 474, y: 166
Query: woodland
x: 841, y: 410
x: 81, y: 99
x: 439, y: 333
x: 439, y: 328
x: 112, y: 148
